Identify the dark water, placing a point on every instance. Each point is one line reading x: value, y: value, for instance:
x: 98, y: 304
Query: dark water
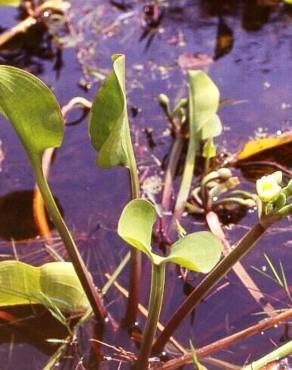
x: 253, y: 69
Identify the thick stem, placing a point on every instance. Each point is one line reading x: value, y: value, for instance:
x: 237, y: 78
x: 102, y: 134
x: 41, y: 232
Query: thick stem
x: 72, y: 250
x: 208, y: 283
x: 136, y: 258
x: 155, y: 303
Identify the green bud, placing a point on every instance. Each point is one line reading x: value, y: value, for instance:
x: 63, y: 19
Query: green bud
x: 224, y: 173
x: 163, y: 100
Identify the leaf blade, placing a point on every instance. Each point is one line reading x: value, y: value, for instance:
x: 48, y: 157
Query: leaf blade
x: 203, y: 99
x: 135, y: 225
x: 32, y: 109
x: 197, y: 252
x: 24, y: 284
x: 108, y: 122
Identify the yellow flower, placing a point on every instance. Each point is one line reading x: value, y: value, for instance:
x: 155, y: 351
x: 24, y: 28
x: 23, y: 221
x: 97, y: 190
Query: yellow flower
x: 268, y: 187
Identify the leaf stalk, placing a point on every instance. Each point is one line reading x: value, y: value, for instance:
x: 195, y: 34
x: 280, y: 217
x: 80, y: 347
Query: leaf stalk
x: 72, y: 250
x: 155, y: 304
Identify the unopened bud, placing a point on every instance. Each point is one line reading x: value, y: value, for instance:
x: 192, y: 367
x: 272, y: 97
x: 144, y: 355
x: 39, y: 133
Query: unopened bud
x: 224, y: 173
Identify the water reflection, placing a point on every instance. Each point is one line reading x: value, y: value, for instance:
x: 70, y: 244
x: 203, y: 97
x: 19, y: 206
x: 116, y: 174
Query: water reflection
x: 37, y: 44
x: 16, y: 216
x: 24, y: 324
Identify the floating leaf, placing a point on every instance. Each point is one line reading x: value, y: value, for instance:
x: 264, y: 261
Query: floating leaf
x: 23, y: 284
x: 262, y: 157
x: 259, y: 149
x: 135, y: 225
x: 197, y: 252
x: 10, y: 2
x: 108, y: 123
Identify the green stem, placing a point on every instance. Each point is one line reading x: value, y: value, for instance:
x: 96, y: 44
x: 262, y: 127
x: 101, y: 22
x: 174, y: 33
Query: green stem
x: 155, y: 303
x: 208, y: 283
x: 276, y: 355
x: 185, y: 182
x: 136, y: 258
x: 72, y: 250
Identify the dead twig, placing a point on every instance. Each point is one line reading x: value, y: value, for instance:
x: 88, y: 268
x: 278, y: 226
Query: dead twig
x: 230, y: 340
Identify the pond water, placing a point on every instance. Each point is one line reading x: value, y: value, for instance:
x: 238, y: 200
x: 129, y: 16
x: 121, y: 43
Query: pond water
x: 246, y: 48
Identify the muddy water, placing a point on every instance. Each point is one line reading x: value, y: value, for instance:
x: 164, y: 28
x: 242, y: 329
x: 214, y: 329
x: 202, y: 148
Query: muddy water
x: 247, y: 50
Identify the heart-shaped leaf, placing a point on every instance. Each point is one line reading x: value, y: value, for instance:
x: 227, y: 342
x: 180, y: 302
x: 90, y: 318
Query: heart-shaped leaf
x: 23, y: 284
x: 108, y: 123
x: 32, y: 109
x: 198, y: 252
x: 135, y: 225
x: 203, y: 99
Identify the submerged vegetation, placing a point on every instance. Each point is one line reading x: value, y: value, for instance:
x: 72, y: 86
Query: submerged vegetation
x: 209, y: 187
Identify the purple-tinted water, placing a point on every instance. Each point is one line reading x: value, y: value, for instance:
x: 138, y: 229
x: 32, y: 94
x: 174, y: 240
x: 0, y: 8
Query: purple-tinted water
x: 255, y: 73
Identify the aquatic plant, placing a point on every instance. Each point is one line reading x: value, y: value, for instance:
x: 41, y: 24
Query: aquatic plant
x: 197, y: 252
x: 110, y: 135
x: 35, y: 115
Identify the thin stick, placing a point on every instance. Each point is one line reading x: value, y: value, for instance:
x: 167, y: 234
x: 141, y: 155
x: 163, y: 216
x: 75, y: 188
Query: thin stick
x: 215, y: 227
x: 230, y: 340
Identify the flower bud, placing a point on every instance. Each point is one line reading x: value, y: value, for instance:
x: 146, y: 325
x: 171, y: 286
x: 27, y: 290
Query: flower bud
x: 224, y: 173
x: 163, y: 100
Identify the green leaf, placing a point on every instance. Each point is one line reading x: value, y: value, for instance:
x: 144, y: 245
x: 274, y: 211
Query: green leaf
x: 198, y: 252
x: 135, y: 225
x: 32, y: 109
x: 108, y: 123
x: 10, y: 2
x: 212, y: 128
x: 23, y: 284
x: 203, y: 99
x: 59, y: 282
